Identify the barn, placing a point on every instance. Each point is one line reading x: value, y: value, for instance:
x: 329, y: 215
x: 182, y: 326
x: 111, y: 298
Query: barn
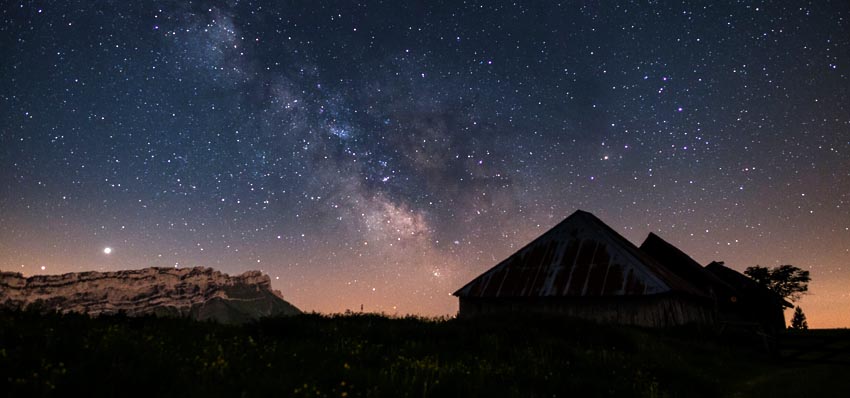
x: 739, y: 301
x: 685, y: 267
x: 584, y: 269
x: 748, y: 303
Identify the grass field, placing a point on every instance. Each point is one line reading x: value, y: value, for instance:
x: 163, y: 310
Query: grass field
x: 373, y: 356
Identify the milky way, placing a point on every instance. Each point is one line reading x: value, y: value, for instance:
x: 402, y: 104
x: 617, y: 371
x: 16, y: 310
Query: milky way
x: 384, y: 154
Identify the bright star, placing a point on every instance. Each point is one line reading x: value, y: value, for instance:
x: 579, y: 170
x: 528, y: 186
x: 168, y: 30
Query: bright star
x: 107, y: 250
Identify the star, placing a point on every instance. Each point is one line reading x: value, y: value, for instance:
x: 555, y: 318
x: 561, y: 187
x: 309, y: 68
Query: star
x: 416, y: 155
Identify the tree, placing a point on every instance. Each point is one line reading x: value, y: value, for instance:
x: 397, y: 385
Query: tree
x: 788, y: 281
x: 798, y: 321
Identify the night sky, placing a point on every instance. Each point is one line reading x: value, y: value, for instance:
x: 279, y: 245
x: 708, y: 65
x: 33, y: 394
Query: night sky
x: 384, y: 154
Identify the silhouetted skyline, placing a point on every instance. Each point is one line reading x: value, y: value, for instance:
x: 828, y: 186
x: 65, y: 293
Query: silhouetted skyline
x: 385, y: 154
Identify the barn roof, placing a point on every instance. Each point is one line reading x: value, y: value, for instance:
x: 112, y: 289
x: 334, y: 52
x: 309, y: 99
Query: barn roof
x: 581, y: 256
x: 684, y: 266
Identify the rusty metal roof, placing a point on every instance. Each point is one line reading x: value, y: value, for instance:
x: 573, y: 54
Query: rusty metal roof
x: 684, y: 266
x: 581, y: 256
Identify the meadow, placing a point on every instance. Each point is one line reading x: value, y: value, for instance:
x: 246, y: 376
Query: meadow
x: 368, y: 355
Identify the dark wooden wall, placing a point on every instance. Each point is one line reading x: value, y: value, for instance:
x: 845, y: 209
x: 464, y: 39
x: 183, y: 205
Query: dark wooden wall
x: 650, y: 311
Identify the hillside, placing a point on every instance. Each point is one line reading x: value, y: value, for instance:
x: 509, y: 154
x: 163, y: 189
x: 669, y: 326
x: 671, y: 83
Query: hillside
x: 374, y: 356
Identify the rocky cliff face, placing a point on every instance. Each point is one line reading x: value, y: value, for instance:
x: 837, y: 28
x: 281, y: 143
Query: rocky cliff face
x: 198, y: 293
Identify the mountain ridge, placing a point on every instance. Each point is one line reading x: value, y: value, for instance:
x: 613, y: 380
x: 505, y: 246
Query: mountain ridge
x: 199, y: 293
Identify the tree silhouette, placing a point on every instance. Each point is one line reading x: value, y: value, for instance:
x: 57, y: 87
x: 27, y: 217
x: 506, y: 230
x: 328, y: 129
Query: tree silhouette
x: 788, y: 281
x: 798, y: 321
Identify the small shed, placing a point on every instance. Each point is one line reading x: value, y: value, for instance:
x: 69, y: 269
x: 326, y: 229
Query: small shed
x: 582, y: 268
x: 749, y: 302
x: 738, y: 300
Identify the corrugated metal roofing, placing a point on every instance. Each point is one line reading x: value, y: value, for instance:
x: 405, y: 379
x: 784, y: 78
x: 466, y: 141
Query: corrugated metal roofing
x: 684, y: 266
x: 581, y: 256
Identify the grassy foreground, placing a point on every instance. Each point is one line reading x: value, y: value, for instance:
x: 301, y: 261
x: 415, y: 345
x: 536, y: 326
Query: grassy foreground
x: 371, y: 356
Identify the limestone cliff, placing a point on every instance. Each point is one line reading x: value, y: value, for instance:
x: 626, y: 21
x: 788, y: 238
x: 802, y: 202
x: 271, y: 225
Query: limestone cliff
x: 199, y: 293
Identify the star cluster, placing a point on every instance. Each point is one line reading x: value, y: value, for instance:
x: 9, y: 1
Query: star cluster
x: 384, y: 153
